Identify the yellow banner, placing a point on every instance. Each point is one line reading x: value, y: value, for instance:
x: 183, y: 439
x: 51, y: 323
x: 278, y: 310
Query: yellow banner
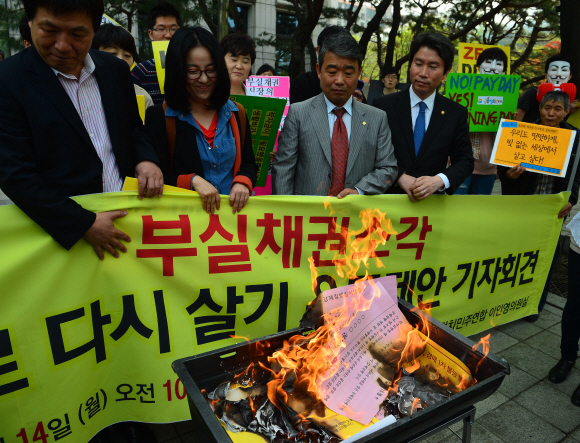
x: 537, y: 148
x: 468, y: 53
x: 85, y: 343
x: 159, y: 52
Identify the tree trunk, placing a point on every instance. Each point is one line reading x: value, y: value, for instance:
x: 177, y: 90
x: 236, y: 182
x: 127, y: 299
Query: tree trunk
x: 373, y: 25
x: 238, y: 22
x: 307, y: 19
x: 569, y: 19
x: 389, y: 57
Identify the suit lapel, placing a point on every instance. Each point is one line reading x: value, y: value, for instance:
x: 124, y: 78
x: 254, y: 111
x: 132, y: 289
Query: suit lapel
x: 108, y: 100
x: 357, y: 134
x: 320, y: 121
x: 435, y: 123
x: 46, y: 82
x: 406, y: 120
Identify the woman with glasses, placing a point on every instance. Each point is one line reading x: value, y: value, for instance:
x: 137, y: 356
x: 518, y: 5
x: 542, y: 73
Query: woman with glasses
x: 202, y: 138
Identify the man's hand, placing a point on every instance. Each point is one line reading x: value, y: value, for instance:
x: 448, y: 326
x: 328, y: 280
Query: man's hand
x: 357, y: 96
x: 564, y: 212
x: 405, y: 182
x: 346, y: 192
x: 150, y: 179
x: 514, y: 172
x: 210, y: 197
x: 425, y: 186
x: 103, y: 234
x: 239, y: 196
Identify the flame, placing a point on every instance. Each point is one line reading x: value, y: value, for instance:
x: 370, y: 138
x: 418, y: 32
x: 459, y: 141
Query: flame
x: 415, y: 405
x: 484, y: 342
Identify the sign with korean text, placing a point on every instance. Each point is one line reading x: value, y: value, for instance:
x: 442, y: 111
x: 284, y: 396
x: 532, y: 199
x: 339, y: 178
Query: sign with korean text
x: 159, y: 52
x: 264, y: 115
x: 141, y: 105
x: 190, y: 281
x: 537, y: 148
x: 468, y: 53
x: 277, y: 87
x: 488, y: 97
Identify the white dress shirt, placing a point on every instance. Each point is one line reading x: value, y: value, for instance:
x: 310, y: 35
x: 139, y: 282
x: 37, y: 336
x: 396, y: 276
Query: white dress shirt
x: 429, y: 102
x: 86, y: 97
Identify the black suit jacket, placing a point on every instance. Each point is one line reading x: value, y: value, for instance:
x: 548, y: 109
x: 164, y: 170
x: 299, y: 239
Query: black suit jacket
x: 46, y: 154
x: 447, y: 137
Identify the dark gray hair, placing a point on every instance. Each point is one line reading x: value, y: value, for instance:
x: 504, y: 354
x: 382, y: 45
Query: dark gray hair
x: 557, y: 96
x: 343, y: 45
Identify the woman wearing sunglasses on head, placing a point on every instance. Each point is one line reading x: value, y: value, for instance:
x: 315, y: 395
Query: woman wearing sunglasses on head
x: 202, y: 138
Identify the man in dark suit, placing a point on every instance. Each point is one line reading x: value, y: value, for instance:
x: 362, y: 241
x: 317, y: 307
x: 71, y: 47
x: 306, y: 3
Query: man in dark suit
x: 69, y: 125
x: 427, y: 128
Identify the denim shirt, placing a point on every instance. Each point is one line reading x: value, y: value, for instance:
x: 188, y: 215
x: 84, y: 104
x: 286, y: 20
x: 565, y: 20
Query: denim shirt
x: 217, y: 162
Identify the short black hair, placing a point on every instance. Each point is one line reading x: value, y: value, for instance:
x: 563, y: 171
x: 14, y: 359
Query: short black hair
x: 389, y: 71
x: 93, y: 8
x: 557, y: 58
x: 239, y: 44
x: 112, y: 36
x: 182, y: 41
x: 24, y: 28
x: 163, y: 9
x: 437, y: 42
x: 327, y: 32
x: 494, y: 53
x: 264, y: 68
x: 343, y: 45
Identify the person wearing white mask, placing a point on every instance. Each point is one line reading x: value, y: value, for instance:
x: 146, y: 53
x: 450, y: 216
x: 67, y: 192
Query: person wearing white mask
x: 491, y: 61
x: 558, y: 70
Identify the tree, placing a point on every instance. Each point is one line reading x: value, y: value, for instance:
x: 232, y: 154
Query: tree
x: 569, y: 19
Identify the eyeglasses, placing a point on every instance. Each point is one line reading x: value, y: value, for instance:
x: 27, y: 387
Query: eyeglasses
x: 194, y: 74
x: 163, y: 30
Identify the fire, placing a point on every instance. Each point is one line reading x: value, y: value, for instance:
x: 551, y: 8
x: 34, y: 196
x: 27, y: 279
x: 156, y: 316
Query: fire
x: 484, y: 342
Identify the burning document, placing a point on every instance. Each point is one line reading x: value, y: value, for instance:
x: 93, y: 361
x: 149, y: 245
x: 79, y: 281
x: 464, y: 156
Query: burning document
x: 358, y: 387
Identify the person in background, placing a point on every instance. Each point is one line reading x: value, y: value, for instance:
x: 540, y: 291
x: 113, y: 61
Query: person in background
x: 239, y: 53
x: 428, y: 129
x: 266, y: 70
x: 120, y: 43
x: 517, y: 181
x: 390, y: 79
x: 558, y: 70
x: 212, y: 152
x: 307, y: 85
x: 163, y: 20
x: 491, y: 61
x: 24, y: 29
x: 1, y: 55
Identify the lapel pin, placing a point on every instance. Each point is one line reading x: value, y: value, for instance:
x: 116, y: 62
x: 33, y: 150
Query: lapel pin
x: 442, y: 112
x: 364, y: 123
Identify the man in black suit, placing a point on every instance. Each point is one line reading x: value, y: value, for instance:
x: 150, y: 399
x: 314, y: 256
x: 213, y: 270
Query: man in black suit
x: 427, y: 128
x: 69, y: 125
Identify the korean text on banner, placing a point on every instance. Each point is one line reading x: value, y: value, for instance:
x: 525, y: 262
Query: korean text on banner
x: 468, y: 53
x: 159, y: 52
x: 537, y: 148
x: 190, y: 281
x: 264, y: 115
x: 488, y: 97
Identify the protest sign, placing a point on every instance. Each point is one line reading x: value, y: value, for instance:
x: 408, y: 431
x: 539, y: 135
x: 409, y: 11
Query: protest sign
x: 189, y: 281
x: 468, y: 53
x: 488, y: 97
x: 141, y: 105
x: 106, y: 19
x: 278, y: 87
x: 540, y: 149
x: 159, y: 52
x: 265, y: 115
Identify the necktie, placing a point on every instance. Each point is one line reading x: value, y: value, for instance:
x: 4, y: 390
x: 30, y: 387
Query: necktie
x: 419, y: 131
x: 339, y: 148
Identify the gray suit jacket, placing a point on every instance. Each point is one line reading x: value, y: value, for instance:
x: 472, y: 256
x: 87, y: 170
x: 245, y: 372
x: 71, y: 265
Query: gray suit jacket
x: 303, y: 163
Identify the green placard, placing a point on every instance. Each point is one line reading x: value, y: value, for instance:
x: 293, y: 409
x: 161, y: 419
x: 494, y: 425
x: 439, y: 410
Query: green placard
x: 488, y: 97
x: 265, y: 115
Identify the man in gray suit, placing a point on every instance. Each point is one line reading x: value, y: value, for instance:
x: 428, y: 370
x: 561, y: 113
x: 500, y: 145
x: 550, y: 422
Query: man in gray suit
x: 332, y: 144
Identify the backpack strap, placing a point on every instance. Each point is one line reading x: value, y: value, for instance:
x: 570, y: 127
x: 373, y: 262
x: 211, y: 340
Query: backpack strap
x: 171, y: 131
x: 242, y: 114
